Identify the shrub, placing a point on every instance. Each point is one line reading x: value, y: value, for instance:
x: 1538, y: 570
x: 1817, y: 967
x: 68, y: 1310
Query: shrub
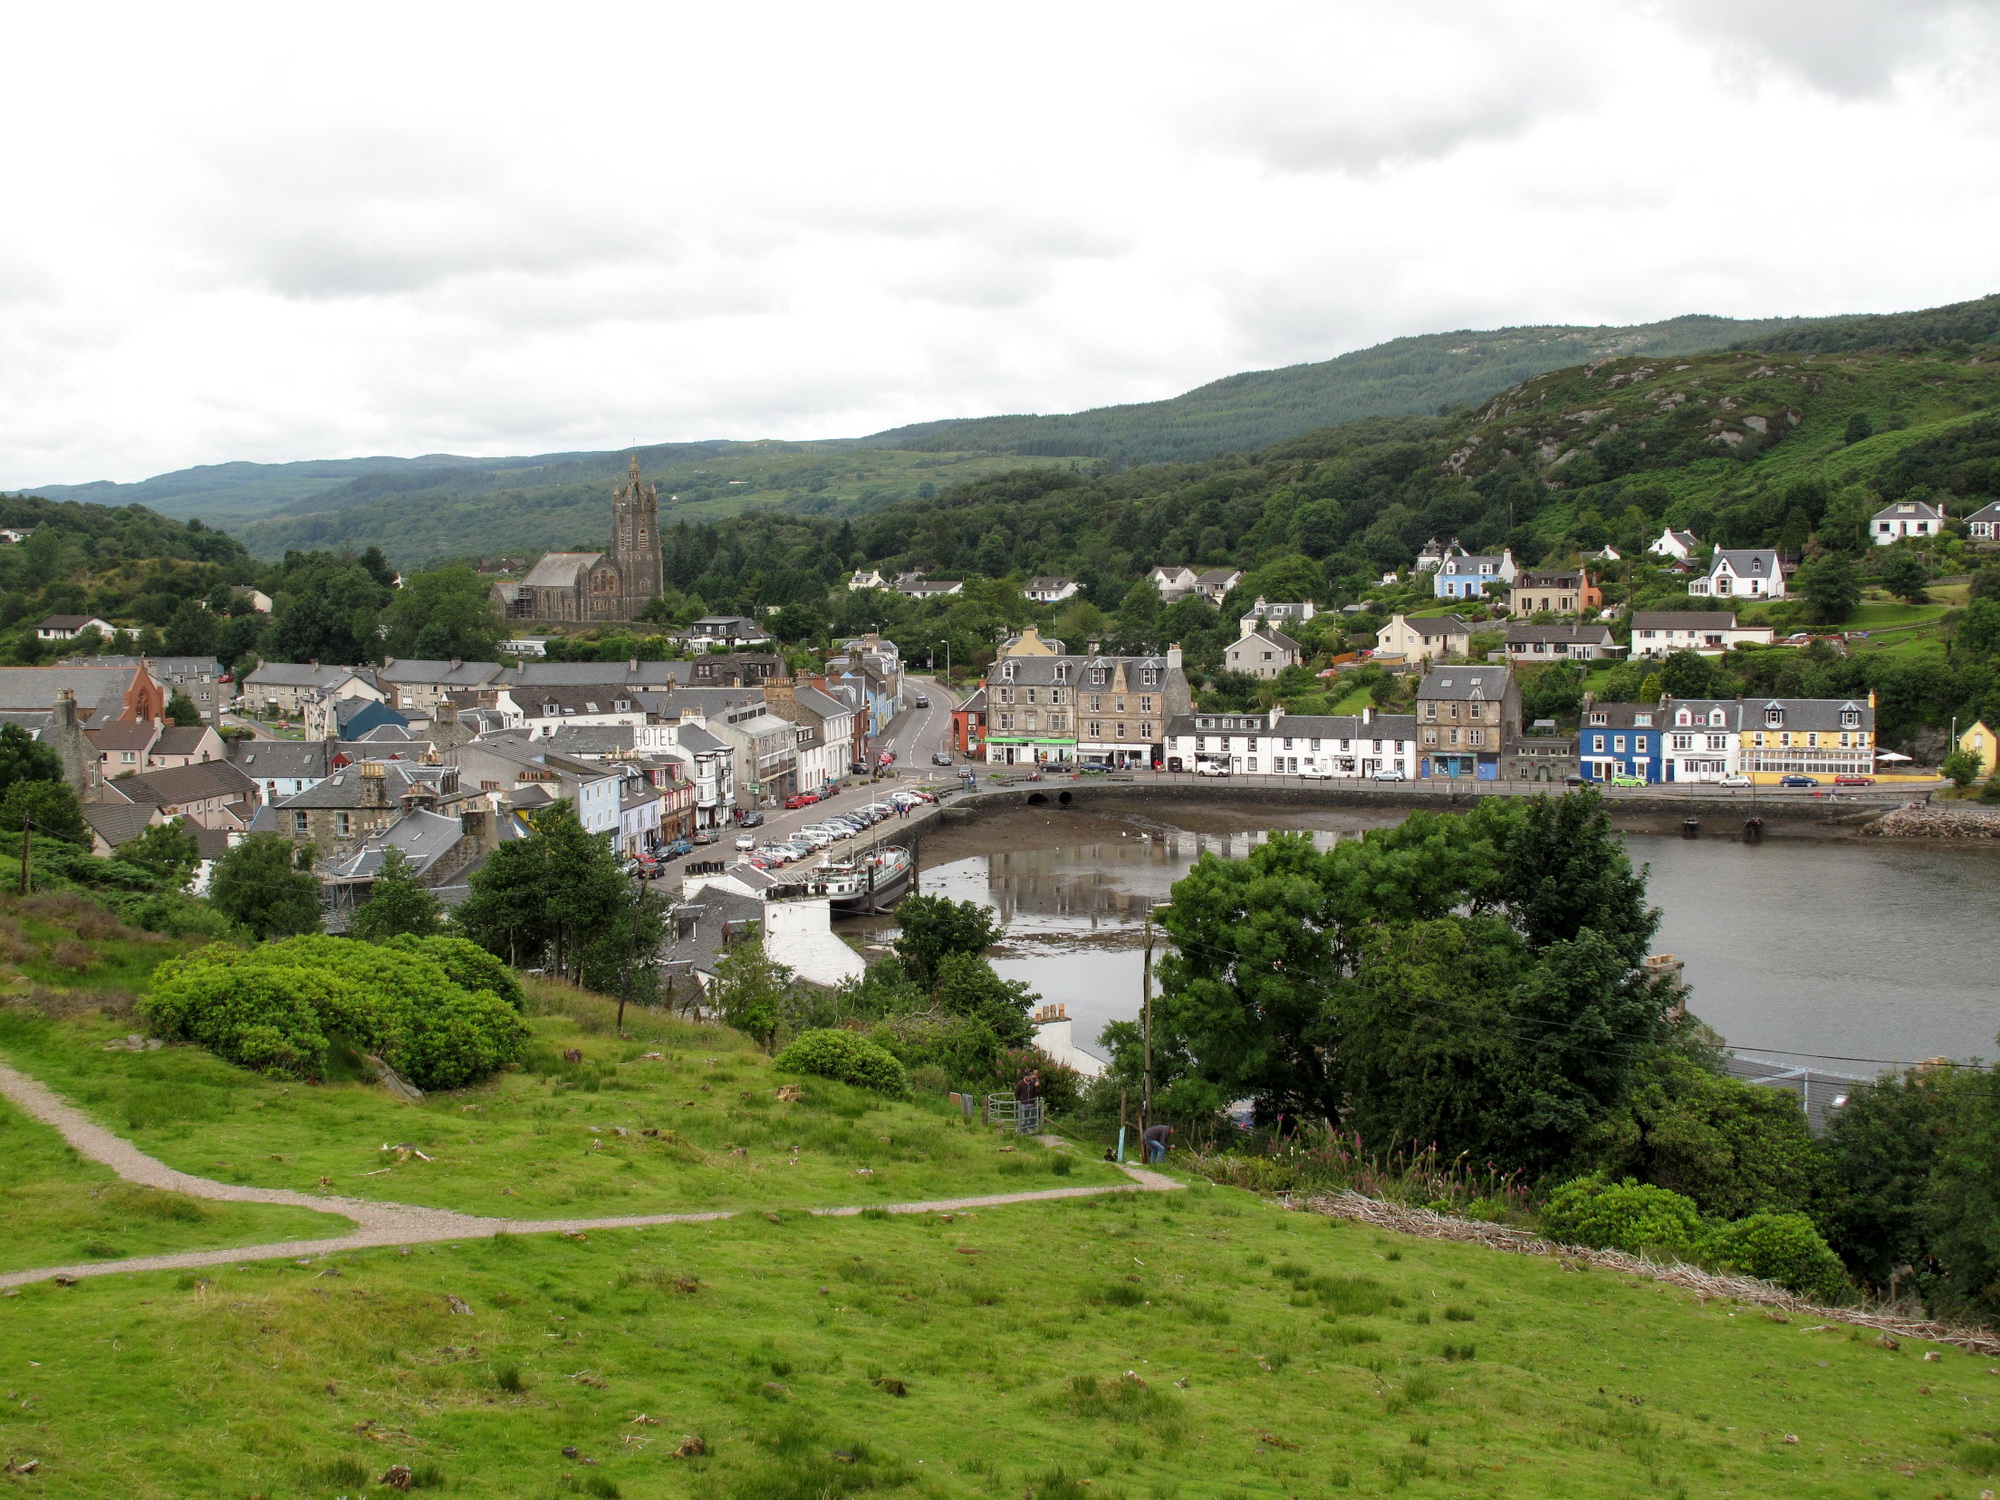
x: 845, y: 1057
x: 470, y: 966
x: 1628, y: 1216
x: 1784, y: 1248
x: 274, y: 1009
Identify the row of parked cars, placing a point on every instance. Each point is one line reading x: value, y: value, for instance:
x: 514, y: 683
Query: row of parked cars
x: 811, y: 839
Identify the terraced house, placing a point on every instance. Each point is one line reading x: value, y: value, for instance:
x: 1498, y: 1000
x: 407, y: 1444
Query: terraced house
x: 1320, y: 746
x: 1809, y: 736
x: 1105, y: 710
x: 1464, y: 717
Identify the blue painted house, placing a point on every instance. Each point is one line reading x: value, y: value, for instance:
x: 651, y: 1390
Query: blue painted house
x: 1472, y: 576
x: 1623, y: 739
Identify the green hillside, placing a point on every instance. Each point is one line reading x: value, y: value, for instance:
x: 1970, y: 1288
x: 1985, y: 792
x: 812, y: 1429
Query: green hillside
x: 1253, y: 410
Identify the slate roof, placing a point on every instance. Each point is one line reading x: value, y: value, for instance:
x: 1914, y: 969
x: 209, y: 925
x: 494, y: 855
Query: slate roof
x: 343, y: 787
x: 279, y: 760
x: 594, y: 674
x: 1986, y: 513
x: 1432, y: 627
x: 447, y: 674
x: 1808, y: 713
x: 178, y: 740
x: 1684, y: 619
x: 558, y: 570
x: 34, y: 689
x: 698, y: 741
x: 294, y: 674
x: 177, y: 784
x: 1623, y: 715
x: 118, y: 822
x: 70, y: 622
x: 1484, y: 684
x: 700, y: 925
x: 1048, y: 585
x: 1310, y: 726
x: 124, y: 734
x: 1908, y: 510
x: 1272, y: 637
x: 424, y: 837
x: 536, y: 702
x: 1580, y: 635
x: 591, y: 739
x: 1560, y: 578
x: 1746, y: 562
x: 160, y: 666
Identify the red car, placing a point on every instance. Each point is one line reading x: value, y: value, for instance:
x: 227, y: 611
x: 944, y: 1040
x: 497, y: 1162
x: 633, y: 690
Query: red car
x: 1854, y: 781
x: 803, y: 799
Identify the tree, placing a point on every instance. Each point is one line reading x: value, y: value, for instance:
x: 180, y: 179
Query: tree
x: 327, y: 608
x: 1860, y: 427
x: 397, y: 903
x: 1688, y: 674
x: 1961, y: 767
x: 24, y: 758
x: 799, y: 621
x: 934, y: 927
x: 441, y: 614
x: 1829, y: 587
x: 750, y: 990
x: 181, y: 710
x: 266, y: 885
x: 192, y: 630
x: 551, y: 894
x: 1978, y: 632
x: 967, y: 986
x: 1904, y: 576
x: 1881, y: 1150
x: 50, y: 806
x: 169, y: 850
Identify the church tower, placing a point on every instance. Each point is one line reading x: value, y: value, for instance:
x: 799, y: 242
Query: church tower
x: 635, y: 541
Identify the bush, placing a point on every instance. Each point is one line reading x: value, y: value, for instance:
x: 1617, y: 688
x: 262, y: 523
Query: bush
x: 1627, y: 1216
x: 1784, y: 1248
x: 275, y: 1009
x: 470, y: 966
x: 844, y: 1057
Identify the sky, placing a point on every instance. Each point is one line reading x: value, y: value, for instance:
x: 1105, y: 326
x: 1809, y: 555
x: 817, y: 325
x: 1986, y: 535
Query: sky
x: 284, y: 232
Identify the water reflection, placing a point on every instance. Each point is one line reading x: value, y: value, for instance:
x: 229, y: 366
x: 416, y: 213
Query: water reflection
x: 1837, y: 949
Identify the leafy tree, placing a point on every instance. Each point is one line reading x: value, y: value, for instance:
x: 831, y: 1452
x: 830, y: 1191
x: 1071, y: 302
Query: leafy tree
x: 266, y: 885
x: 1860, y: 427
x: 1829, y: 587
x: 1565, y: 872
x: 50, y: 806
x: 181, y: 710
x: 441, y: 614
x: 1960, y: 1209
x: 1881, y: 1150
x: 1961, y: 767
x: 1979, y: 628
x: 935, y: 927
x: 24, y: 758
x: 751, y: 991
x: 192, y: 630
x: 551, y: 894
x: 168, y: 850
x: 397, y: 903
x: 326, y: 610
x: 967, y: 986
x: 1689, y: 674
x: 1904, y: 576
x: 799, y: 621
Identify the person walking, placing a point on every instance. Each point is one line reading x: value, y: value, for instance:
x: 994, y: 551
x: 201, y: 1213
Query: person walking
x: 1158, y: 1138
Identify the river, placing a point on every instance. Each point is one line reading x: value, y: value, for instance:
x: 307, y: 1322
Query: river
x: 1834, y: 952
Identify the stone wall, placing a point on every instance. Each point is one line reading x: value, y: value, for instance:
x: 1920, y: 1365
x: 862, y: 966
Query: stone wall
x: 1944, y: 821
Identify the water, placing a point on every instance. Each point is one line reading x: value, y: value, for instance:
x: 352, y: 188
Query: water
x: 1807, y: 950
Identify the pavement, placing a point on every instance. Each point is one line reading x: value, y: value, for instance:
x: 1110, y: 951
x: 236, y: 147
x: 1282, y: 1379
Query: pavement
x: 389, y: 1224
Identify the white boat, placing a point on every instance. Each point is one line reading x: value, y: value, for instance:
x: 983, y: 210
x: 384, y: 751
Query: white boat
x: 867, y: 880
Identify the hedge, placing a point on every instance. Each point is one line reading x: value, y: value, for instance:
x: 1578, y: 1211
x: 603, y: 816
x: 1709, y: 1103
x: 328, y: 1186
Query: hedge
x: 844, y: 1057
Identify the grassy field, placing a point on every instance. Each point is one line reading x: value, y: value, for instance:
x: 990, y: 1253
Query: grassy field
x: 1196, y: 1344
x: 60, y: 1208
x: 560, y: 1140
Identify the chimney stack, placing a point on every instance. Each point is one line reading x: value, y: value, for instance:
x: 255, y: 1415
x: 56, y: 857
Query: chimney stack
x: 374, y: 784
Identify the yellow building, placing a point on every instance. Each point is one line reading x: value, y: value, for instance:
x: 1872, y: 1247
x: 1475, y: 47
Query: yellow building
x: 1808, y: 737
x: 1982, y: 744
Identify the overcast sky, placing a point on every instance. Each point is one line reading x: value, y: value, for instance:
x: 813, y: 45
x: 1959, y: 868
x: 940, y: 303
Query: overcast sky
x: 280, y: 232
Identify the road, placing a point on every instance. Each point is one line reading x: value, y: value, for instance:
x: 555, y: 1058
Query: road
x: 916, y: 734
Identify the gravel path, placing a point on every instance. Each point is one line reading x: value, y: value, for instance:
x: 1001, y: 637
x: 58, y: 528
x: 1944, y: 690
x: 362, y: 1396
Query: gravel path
x: 381, y: 1224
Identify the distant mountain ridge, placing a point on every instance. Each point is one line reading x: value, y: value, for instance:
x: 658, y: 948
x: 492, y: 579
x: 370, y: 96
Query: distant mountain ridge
x: 444, y: 505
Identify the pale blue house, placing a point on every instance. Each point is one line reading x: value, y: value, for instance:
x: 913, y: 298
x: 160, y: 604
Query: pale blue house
x: 1469, y: 576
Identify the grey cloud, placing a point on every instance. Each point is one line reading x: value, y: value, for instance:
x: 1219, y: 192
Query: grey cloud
x: 1851, y: 49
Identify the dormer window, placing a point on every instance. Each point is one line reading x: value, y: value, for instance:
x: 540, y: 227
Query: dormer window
x: 1850, y: 718
x: 1774, y: 718
x: 1150, y: 677
x: 1683, y: 718
x: 1062, y: 671
x: 1007, y: 672
x: 623, y: 705
x: 1716, y: 717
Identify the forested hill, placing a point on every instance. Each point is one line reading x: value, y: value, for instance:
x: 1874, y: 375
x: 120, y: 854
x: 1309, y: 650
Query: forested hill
x: 1242, y: 413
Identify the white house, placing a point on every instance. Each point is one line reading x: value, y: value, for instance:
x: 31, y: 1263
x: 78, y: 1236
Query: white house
x: 545, y: 709
x: 1434, y: 554
x: 1262, y: 653
x: 1050, y: 590
x: 69, y: 627
x: 1703, y: 739
x: 867, y: 578
x: 1679, y: 545
x: 1424, y: 639
x: 1660, y: 632
x: 1983, y: 525
x: 1264, y: 612
x: 1905, y: 518
x: 1055, y: 1038
x: 1329, y: 746
x: 1741, y: 573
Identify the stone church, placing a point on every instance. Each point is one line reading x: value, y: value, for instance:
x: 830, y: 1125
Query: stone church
x: 587, y: 586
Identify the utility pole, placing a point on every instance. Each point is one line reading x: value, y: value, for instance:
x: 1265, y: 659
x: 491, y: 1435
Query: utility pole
x: 26, y: 824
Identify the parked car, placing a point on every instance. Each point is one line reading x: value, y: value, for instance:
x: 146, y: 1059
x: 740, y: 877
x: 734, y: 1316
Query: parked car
x: 1211, y: 768
x: 799, y: 800
x: 1623, y: 780
x: 678, y: 849
x: 886, y: 758
x: 1854, y: 780
x: 859, y: 768
x: 1313, y: 773
x: 644, y: 867
x: 1390, y: 773
x: 1735, y: 778
x: 746, y: 841
x: 751, y: 820
x: 776, y: 854
x: 1798, y: 781
x: 941, y: 757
